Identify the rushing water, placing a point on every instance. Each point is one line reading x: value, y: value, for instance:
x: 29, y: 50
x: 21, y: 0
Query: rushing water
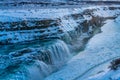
x: 32, y: 61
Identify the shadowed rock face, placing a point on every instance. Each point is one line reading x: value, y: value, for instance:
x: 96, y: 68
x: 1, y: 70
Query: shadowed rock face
x: 115, y: 64
x: 25, y: 25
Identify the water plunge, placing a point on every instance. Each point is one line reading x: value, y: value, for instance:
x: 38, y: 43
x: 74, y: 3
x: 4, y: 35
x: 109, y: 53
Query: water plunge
x: 39, y: 61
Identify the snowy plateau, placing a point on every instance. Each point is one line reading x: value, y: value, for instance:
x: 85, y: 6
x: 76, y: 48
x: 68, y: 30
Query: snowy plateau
x: 59, y: 42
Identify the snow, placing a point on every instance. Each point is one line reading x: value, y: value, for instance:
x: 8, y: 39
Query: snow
x: 107, y: 12
x: 113, y: 75
x: 26, y: 14
x: 101, y: 48
x: 117, y: 19
x: 64, y: 14
x: 68, y: 25
x: 26, y: 35
x: 12, y: 15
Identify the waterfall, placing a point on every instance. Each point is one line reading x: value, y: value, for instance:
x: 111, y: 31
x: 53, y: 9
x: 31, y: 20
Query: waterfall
x: 35, y: 63
x: 38, y: 71
x: 51, y: 59
x: 59, y: 53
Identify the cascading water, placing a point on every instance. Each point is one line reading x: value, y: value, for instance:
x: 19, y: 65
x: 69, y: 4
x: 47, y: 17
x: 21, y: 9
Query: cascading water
x: 59, y: 53
x: 38, y: 61
x: 39, y: 70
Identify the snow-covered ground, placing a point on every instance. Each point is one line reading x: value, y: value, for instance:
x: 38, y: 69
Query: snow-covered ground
x: 101, y: 48
x: 109, y: 74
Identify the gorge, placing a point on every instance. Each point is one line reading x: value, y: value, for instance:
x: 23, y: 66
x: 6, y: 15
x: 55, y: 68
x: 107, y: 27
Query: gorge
x: 57, y: 44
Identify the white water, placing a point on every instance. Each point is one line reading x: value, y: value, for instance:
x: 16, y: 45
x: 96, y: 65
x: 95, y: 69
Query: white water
x: 39, y: 70
x: 57, y: 54
x: 48, y: 59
